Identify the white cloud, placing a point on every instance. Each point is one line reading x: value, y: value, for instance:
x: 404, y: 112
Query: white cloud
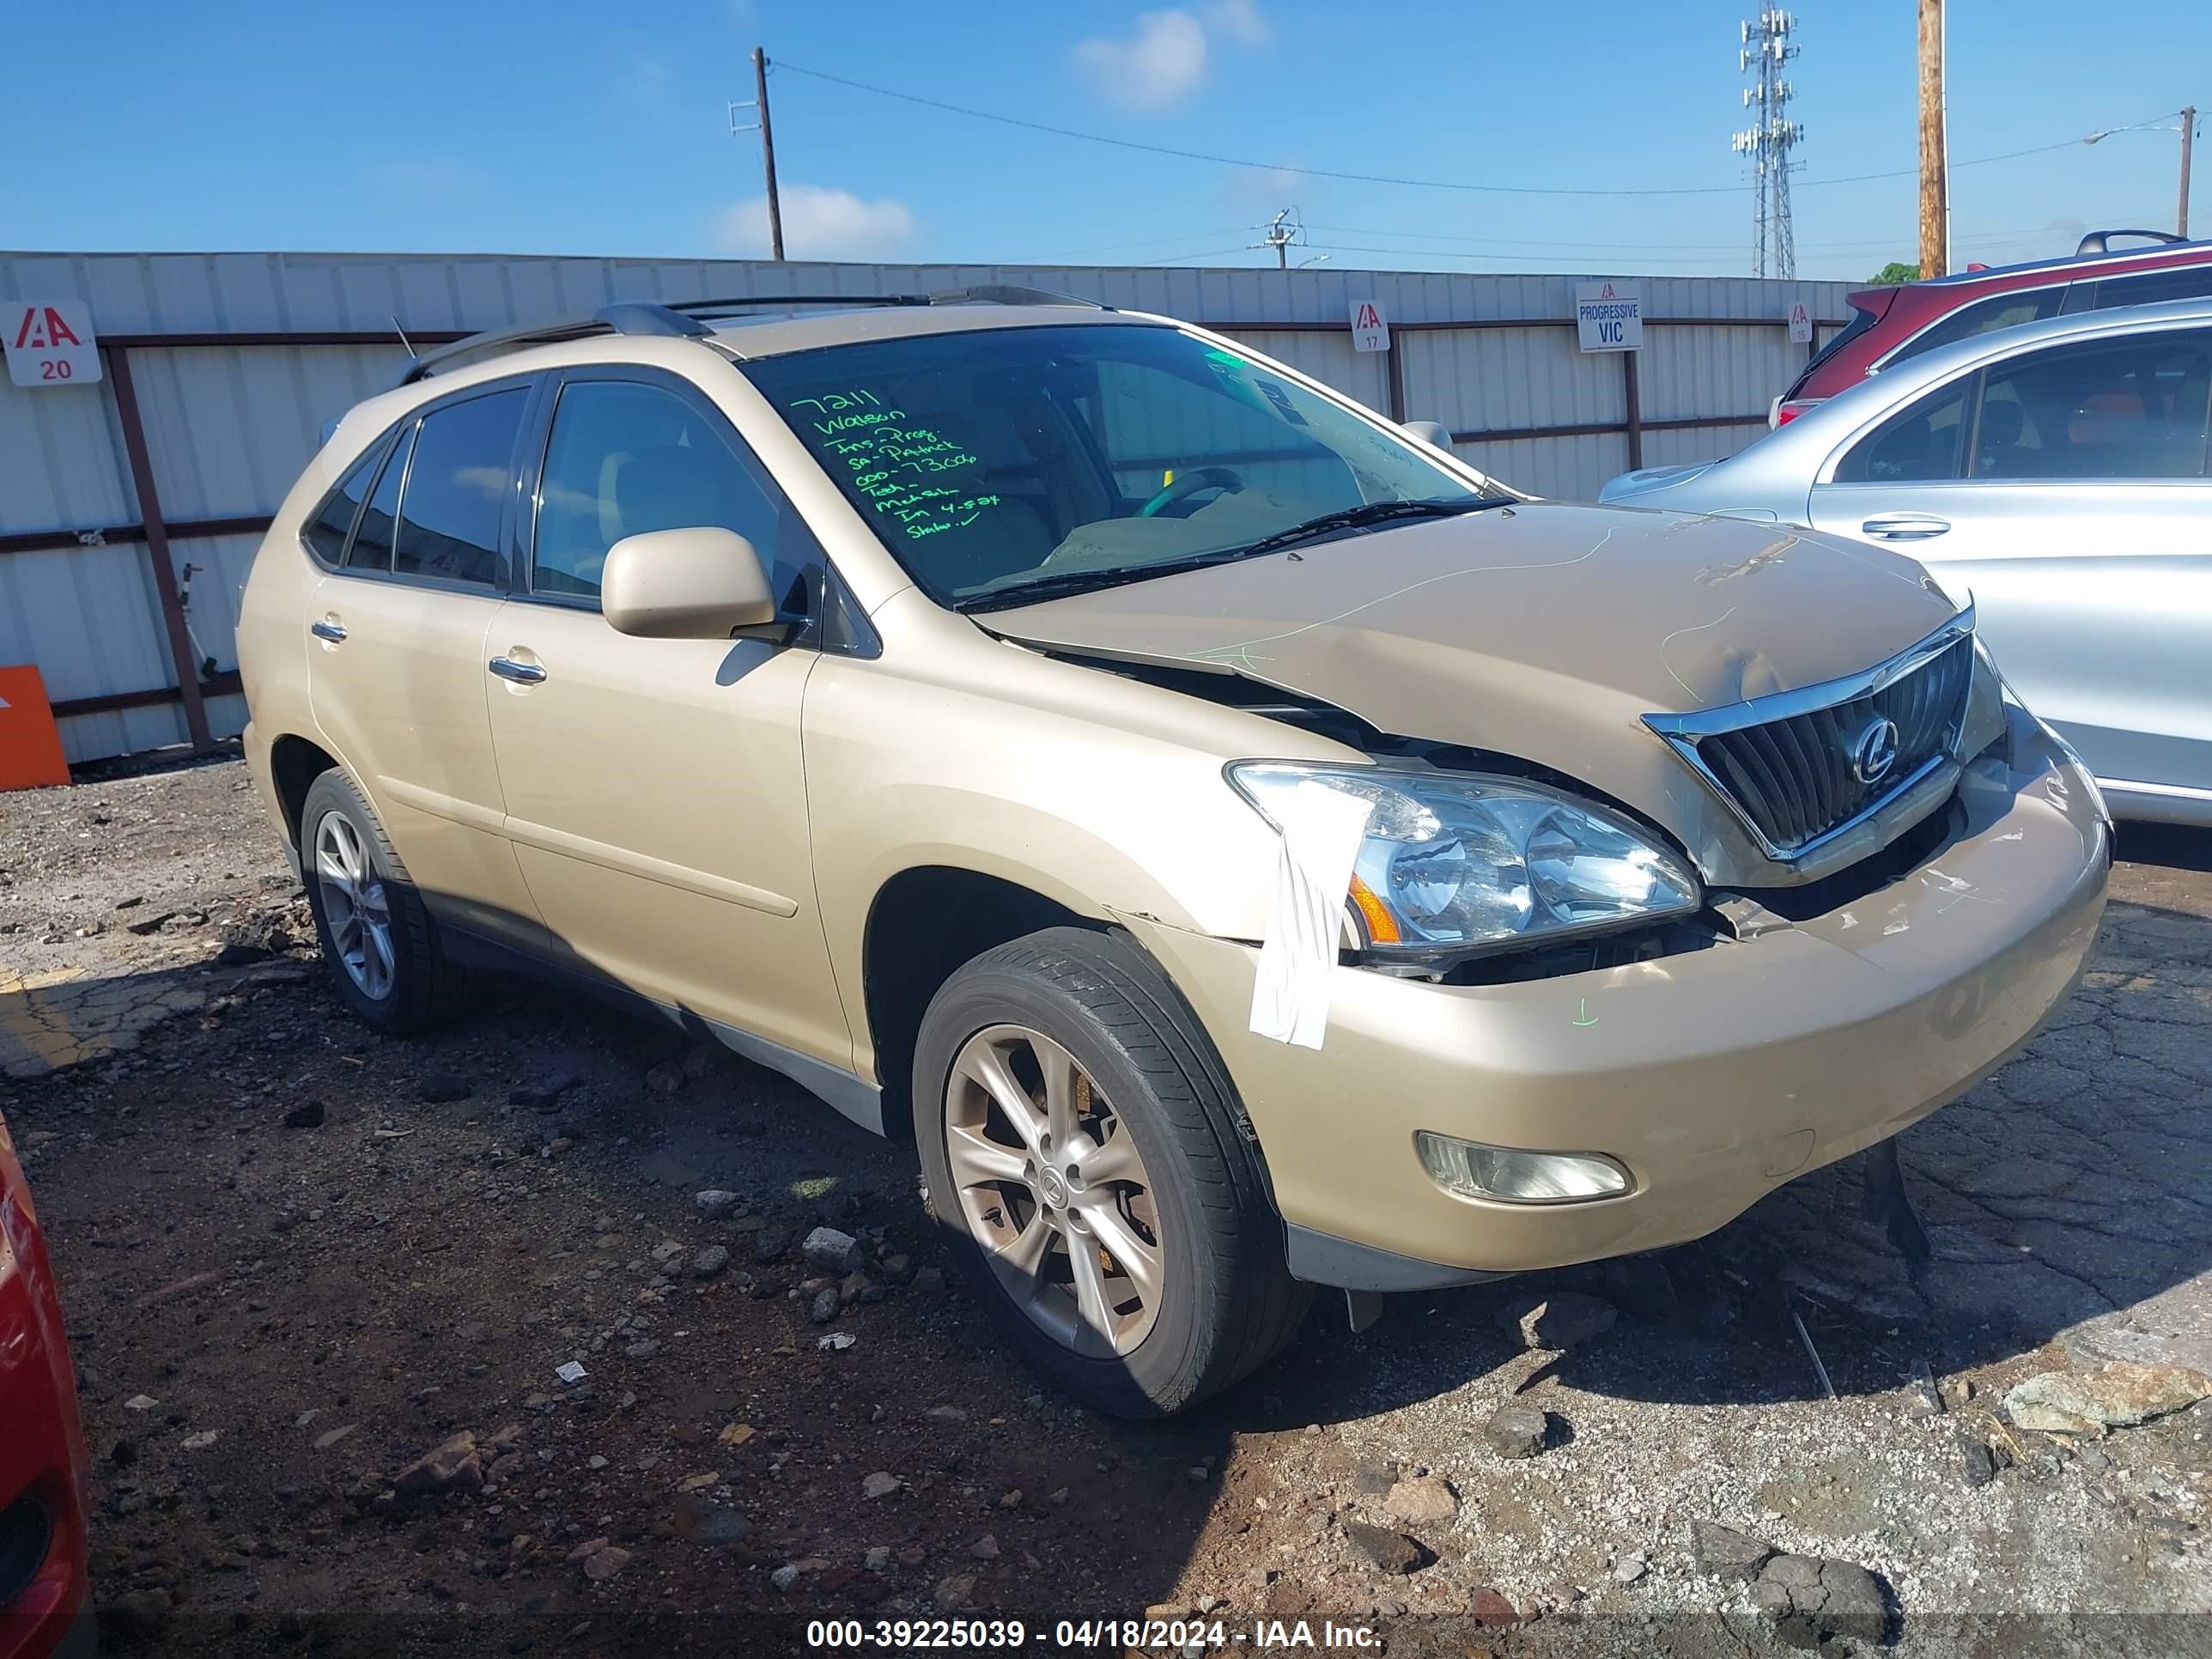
x: 818, y: 223
x: 1162, y: 65
x: 1241, y: 20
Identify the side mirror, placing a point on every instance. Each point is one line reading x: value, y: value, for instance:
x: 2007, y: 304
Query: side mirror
x: 701, y: 583
x: 1433, y: 433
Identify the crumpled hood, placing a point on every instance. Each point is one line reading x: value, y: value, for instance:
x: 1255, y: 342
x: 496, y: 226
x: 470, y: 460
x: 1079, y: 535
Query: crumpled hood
x: 1543, y: 631
x: 1438, y: 627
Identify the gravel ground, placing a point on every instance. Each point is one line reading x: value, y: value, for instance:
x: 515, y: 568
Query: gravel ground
x: 297, y: 1258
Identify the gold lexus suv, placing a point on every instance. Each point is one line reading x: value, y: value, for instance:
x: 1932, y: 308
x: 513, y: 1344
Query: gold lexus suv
x: 1244, y: 846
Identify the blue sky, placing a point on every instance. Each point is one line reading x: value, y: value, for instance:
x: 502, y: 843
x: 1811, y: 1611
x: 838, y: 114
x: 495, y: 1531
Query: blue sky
x: 563, y: 126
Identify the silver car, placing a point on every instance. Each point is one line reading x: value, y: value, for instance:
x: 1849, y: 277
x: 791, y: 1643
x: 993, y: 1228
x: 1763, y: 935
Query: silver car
x: 2057, y: 472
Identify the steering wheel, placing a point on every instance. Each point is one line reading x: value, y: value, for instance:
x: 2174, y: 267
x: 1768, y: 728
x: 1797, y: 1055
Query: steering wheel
x: 1189, y: 484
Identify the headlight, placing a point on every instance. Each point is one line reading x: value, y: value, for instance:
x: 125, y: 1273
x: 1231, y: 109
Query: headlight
x: 1453, y: 863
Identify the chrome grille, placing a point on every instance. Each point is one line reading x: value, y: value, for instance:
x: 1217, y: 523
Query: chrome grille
x: 1790, y: 765
x: 1793, y: 777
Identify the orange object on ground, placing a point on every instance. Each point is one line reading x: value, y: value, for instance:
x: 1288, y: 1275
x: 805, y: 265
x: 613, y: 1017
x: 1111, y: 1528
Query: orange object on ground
x: 30, y: 742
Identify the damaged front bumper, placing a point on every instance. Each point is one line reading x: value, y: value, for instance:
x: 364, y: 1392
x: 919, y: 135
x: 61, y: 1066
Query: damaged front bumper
x: 1712, y: 1076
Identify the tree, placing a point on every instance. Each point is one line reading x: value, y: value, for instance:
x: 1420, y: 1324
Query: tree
x: 1894, y: 272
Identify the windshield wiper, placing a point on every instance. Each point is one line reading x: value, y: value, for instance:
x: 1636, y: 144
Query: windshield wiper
x: 1369, y: 513
x: 1086, y: 581
x: 1350, y: 518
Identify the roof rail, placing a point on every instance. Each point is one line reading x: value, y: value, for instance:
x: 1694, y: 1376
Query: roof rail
x: 1002, y: 294
x: 2097, y: 242
x: 681, y: 319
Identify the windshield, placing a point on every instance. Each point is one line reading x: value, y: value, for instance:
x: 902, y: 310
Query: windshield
x: 994, y: 461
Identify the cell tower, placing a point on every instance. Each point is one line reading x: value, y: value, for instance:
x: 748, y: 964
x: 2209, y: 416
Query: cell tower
x: 1766, y: 48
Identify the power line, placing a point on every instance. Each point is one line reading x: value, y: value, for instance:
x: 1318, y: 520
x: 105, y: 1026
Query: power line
x: 1638, y: 243
x: 787, y: 66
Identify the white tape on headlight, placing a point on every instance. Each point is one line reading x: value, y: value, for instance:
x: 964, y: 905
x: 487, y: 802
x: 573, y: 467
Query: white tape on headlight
x: 1322, y: 829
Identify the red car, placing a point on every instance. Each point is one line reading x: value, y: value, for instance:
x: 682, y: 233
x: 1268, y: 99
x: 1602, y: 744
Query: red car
x: 44, y: 1607
x: 1889, y: 324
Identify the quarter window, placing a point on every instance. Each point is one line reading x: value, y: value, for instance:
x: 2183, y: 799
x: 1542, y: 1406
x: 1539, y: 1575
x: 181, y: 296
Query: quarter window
x: 457, y: 485
x: 372, y: 537
x: 1998, y: 310
x: 1920, y: 445
x: 326, y: 533
x: 626, y: 457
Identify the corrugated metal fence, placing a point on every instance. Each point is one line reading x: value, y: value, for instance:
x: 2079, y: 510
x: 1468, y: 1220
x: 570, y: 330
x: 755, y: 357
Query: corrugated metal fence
x: 130, y: 510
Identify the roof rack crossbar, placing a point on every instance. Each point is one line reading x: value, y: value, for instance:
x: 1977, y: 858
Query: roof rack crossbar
x: 2100, y: 241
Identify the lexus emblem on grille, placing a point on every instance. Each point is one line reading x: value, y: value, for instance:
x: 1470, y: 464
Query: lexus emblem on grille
x: 1874, y: 752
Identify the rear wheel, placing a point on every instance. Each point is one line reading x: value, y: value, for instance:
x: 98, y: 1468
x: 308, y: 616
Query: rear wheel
x: 1080, y: 1141
x: 375, y: 932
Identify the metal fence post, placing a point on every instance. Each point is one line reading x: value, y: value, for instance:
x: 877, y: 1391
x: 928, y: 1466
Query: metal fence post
x: 1632, y: 409
x: 157, y: 544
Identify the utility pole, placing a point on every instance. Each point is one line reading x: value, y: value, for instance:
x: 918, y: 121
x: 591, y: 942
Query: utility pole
x: 2188, y: 140
x: 768, y: 148
x: 1281, y: 234
x: 768, y: 155
x: 1934, y: 184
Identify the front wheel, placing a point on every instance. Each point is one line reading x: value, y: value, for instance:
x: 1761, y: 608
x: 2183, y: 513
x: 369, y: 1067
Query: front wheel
x: 1080, y: 1140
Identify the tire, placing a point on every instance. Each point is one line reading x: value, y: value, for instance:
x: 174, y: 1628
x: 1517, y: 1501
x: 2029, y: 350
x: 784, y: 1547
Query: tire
x: 1223, y: 1302
x: 418, y: 990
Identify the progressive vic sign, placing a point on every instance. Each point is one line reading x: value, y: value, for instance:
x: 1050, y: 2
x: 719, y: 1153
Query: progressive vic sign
x: 1609, y: 316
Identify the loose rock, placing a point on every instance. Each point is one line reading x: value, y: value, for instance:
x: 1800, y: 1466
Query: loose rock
x: 1810, y: 1600
x: 1383, y: 1549
x: 308, y: 1115
x: 1725, y: 1552
x: 716, y: 1201
x: 833, y: 1251
x: 2118, y: 1396
x: 1422, y: 1501
x: 1517, y: 1429
x: 454, y: 1465
x: 1981, y: 1463
x: 602, y: 1565
x: 956, y: 1591
x: 710, y: 1261
x: 881, y: 1484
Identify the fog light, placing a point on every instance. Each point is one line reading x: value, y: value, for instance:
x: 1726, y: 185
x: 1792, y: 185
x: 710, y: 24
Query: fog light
x: 1466, y: 1169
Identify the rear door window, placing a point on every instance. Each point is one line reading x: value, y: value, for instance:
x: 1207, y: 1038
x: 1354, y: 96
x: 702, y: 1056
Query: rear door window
x: 2152, y: 288
x: 458, y: 484
x: 2135, y: 407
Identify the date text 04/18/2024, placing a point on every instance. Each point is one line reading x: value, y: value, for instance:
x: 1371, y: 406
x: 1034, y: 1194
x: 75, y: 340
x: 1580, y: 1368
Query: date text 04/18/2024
x: 1084, y: 1635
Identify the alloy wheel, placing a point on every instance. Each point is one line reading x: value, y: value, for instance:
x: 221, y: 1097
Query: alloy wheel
x: 354, y: 907
x: 1049, y: 1183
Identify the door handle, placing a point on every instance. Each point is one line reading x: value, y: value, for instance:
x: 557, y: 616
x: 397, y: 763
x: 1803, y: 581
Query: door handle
x: 327, y: 630
x: 1904, y: 526
x: 522, y: 673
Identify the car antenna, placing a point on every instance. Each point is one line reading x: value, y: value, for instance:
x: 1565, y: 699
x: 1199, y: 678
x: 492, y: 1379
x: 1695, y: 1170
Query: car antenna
x: 411, y: 353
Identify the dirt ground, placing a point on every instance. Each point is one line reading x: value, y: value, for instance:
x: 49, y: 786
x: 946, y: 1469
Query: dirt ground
x: 297, y: 1257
